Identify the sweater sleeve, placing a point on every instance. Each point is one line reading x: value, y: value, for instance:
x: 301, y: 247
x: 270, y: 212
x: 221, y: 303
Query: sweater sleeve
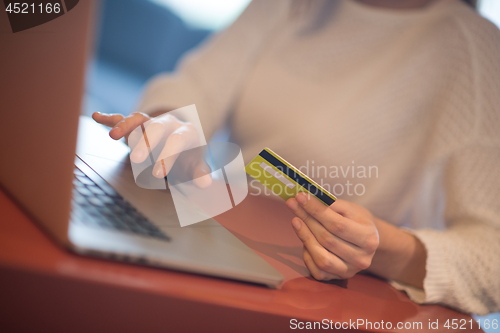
x: 463, y: 260
x: 212, y: 75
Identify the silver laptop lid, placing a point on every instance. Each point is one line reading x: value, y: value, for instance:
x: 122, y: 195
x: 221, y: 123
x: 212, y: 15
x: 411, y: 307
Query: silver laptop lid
x: 41, y: 88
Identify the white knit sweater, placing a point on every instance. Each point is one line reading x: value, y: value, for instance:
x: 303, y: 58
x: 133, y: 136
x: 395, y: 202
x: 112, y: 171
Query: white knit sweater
x: 415, y: 93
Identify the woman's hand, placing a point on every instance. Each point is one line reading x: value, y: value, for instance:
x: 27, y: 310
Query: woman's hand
x: 339, y: 241
x: 176, y: 135
x: 121, y: 126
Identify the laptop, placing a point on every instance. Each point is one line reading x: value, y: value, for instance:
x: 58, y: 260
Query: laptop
x: 84, y: 195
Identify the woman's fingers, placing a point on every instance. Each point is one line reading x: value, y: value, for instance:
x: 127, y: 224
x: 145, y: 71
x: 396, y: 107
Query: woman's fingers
x: 134, y: 136
x: 345, y: 250
x: 353, y: 241
x: 324, y: 260
x: 109, y: 120
x: 154, y: 132
x: 309, y: 207
x: 127, y: 125
x: 179, y: 137
x: 121, y: 126
x: 317, y: 273
x: 349, y: 210
x: 180, y: 140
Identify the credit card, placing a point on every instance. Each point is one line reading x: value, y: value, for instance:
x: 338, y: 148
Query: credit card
x: 284, y: 179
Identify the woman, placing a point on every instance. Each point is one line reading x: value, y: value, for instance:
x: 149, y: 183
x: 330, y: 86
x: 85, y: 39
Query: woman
x: 409, y: 86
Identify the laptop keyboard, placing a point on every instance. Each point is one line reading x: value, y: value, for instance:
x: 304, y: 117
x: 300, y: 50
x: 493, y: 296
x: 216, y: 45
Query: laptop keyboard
x: 103, y: 207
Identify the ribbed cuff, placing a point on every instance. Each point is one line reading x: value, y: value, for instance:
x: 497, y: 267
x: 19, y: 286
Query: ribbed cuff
x: 437, y: 282
x: 417, y: 295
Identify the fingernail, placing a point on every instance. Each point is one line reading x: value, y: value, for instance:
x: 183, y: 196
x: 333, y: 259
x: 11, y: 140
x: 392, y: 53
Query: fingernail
x: 158, y: 171
x: 296, y: 224
x: 138, y: 155
x: 301, y: 198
